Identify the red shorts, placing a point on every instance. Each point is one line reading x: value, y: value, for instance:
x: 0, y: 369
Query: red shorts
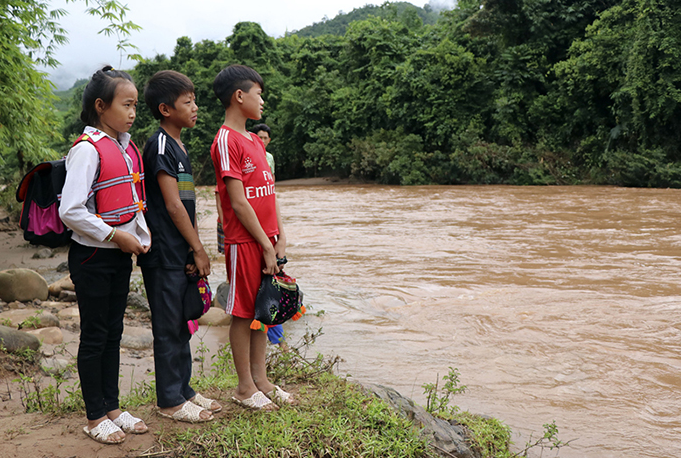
x: 244, y: 272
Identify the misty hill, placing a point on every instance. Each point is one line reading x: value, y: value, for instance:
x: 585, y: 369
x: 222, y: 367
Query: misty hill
x: 339, y: 24
x: 62, y: 105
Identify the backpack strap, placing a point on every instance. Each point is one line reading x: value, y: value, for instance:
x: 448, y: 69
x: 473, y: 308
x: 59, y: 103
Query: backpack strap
x: 22, y: 189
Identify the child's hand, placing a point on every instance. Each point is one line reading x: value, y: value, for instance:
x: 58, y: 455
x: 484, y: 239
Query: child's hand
x: 270, y: 258
x: 202, y: 262
x: 280, y: 248
x: 190, y: 269
x: 128, y: 243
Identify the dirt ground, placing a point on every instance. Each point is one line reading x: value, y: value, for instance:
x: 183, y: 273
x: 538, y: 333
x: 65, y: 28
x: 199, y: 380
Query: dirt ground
x: 37, y: 435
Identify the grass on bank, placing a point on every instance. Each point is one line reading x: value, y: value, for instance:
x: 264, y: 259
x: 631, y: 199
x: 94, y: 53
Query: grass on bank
x: 334, y: 417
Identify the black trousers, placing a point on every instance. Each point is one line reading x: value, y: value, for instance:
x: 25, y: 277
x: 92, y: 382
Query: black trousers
x: 101, y: 277
x: 172, y: 352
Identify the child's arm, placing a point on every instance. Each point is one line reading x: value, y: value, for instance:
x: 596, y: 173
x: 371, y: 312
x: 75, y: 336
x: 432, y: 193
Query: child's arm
x: 280, y: 246
x: 177, y: 212
x: 247, y: 216
x: 219, y: 205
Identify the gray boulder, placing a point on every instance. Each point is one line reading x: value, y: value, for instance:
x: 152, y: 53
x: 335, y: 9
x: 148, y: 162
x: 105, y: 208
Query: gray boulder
x: 22, y: 285
x: 137, y: 338
x: 215, y: 317
x: 51, y: 335
x: 448, y: 439
x: 220, y: 296
x: 14, y: 340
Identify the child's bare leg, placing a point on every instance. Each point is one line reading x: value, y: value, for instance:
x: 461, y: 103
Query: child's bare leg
x: 240, y: 339
x: 258, y: 365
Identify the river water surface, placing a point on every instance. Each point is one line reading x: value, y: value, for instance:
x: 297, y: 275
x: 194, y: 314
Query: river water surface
x: 554, y: 303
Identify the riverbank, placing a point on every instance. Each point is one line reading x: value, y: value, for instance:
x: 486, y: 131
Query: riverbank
x: 333, y: 417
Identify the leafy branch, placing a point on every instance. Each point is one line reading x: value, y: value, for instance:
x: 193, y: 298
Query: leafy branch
x: 114, y: 13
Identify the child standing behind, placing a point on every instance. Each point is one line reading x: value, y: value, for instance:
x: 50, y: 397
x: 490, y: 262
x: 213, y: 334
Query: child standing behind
x: 172, y: 219
x: 254, y: 235
x: 102, y: 202
x: 275, y: 334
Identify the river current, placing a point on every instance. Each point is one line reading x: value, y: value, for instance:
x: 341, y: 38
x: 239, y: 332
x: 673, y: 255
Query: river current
x: 554, y: 303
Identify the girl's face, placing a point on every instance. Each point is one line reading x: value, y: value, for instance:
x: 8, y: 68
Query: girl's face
x: 120, y: 114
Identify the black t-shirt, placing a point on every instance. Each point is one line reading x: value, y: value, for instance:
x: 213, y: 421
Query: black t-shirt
x: 169, y: 249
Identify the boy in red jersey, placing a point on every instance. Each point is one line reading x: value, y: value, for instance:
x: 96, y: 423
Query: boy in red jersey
x: 254, y: 235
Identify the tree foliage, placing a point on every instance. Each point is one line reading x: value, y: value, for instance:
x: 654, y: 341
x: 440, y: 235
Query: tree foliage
x: 339, y: 24
x: 29, y: 35
x: 496, y: 91
x: 517, y: 91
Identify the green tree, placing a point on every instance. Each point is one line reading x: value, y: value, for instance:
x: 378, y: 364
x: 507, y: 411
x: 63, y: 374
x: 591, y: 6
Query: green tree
x: 29, y: 35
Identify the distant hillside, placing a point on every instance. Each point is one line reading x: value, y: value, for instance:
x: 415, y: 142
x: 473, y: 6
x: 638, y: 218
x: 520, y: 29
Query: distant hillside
x: 339, y: 24
x: 64, y: 102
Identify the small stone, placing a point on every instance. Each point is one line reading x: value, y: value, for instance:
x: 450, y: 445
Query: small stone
x: 63, y: 267
x: 69, y: 312
x: 53, y: 304
x: 30, y: 318
x: 58, y: 286
x: 43, y: 253
x: 56, y: 366
x: 137, y: 301
x: 67, y: 296
x: 73, y: 327
x: 215, y: 316
x: 16, y: 305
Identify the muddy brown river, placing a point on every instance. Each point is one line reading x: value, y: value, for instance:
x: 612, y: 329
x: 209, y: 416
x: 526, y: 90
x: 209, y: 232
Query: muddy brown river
x: 554, y: 303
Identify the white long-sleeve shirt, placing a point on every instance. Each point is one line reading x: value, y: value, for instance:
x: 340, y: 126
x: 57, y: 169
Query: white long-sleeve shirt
x: 78, y: 212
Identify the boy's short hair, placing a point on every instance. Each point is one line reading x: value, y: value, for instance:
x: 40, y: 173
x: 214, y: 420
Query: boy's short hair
x: 258, y: 127
x: 165, y: 87
x: 232, y: 78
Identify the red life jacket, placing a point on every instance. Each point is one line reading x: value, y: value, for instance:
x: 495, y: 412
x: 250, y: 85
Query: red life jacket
x: 114, y: 199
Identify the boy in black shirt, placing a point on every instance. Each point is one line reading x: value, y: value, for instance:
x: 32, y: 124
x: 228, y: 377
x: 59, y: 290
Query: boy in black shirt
x: 176, y: 247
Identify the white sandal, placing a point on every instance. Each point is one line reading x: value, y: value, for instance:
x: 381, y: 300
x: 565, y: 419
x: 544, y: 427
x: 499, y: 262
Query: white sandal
x: 127, y: 423
x: 206, y: 403
x: 190, y: 413
x: 280, y: 396
x: 103, y: 431
x: 258, y: 401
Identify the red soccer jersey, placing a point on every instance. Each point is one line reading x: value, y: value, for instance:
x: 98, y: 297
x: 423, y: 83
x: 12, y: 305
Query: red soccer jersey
x: 236, y: 156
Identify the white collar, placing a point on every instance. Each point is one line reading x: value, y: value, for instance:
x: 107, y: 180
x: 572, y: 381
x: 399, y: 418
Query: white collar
x: 96, y: 135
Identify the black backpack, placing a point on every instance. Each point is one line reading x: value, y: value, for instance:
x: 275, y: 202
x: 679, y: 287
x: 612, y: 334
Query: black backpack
x: 40, y: 192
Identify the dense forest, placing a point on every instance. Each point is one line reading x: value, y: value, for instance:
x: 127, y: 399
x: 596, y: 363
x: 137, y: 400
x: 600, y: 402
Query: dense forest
x: 496, y: 91
x: 339, y: 24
